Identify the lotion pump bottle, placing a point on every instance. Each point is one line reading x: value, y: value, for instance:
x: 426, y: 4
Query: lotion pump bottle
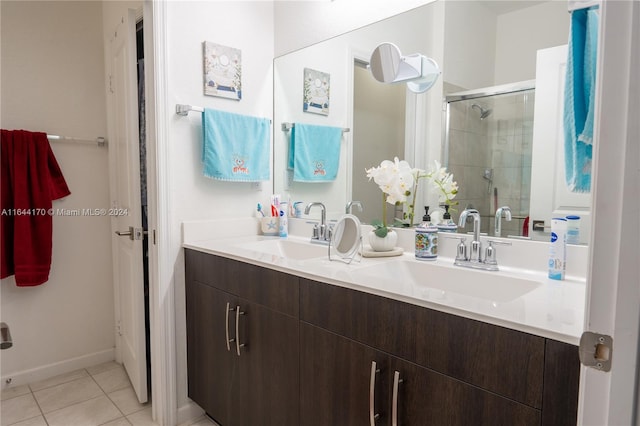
x: 447, y: 224
x: 426, y: 241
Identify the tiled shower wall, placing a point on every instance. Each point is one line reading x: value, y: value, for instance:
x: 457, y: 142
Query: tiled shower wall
x: 491, y: 157
x: 511, y: 136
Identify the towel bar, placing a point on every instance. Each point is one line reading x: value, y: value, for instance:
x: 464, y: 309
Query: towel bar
x: 183, y: 109
x: 101, y: 141
x: 287, y: 126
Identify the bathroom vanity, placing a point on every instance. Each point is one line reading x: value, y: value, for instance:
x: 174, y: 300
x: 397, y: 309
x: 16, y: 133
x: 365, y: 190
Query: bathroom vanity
x: 274, y: 340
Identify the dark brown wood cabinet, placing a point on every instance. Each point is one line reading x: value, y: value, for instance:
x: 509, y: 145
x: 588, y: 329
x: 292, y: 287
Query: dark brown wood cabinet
x: 343, y: 382
x: 336, y: 361
x: 316, y: 354
x: 242, y: 354
x: 209, y: 361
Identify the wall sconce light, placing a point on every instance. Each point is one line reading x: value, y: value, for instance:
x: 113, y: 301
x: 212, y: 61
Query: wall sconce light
x: 388, y: 65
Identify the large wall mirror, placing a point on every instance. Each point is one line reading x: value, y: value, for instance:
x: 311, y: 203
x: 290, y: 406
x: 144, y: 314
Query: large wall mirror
x: 481, y: 46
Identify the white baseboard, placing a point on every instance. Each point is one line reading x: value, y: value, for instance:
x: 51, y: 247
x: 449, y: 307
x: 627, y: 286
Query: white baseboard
x: 44, y: 372
x: 189, y: 412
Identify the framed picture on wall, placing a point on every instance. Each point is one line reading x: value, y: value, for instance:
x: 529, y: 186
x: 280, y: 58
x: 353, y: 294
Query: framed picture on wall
x: 222, y: 71
x: 316, y: 91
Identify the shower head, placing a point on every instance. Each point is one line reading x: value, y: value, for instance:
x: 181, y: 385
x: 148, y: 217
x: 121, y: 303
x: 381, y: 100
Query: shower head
x: 484, y: 113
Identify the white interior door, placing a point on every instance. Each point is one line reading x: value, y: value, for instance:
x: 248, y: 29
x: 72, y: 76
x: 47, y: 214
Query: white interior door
x: 613, y: 293
x: 126, y: 222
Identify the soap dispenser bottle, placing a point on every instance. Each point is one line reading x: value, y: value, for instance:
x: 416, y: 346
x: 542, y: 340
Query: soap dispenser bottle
x: 447, y: 224
x: 426, y: 241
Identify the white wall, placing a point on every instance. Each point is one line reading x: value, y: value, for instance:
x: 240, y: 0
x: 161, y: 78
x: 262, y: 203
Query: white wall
x: 470, y: 39
x: 302, y: 23
x: 520, y: 34
x: 244, y: 25
x: 53, y: 81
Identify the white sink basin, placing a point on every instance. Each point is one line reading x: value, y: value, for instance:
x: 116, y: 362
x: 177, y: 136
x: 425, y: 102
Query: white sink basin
x: 492, y: 286
x: 288, y: 249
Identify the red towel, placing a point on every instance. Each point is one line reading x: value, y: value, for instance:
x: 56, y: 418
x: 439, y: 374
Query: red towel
x: 31, y: 179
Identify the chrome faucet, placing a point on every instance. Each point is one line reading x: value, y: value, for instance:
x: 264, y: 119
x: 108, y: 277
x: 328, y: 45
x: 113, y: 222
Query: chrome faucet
x: 350, y: 204
x: 320, y: 233
x: 475, y: 254
x: 498, y: 224
x: 475, y: 259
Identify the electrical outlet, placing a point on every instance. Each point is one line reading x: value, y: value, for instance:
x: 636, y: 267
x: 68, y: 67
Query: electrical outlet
x: 256, y: 186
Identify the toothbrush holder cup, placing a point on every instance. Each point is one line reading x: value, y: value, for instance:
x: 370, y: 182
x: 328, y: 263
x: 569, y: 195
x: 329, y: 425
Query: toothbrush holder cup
x: 269, y: 225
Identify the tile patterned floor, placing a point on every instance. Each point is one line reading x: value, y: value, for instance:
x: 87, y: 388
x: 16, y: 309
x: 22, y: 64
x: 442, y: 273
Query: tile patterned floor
x: 99, y: 395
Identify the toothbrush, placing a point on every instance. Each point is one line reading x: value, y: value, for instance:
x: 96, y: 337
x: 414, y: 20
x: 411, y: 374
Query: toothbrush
x: 275, y: 205
x: 260, y: 209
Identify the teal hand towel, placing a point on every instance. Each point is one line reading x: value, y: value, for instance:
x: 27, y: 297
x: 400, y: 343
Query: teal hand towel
x: 579, y: 99
x: 235, y: 147
x: 314, y: 152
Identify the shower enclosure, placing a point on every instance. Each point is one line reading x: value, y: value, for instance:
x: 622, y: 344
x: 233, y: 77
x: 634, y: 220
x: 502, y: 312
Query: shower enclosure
x: 487, y: 146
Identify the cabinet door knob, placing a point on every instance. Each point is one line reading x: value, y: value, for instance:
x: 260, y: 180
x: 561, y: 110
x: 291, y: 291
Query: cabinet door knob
x: 394, y: 404
x: 238, y: 344
x: 226, y: 321
x: 373, y: 416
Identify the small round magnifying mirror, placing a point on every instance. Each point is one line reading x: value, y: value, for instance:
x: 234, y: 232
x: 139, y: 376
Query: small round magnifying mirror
x: 346, y: 238
x: 385, y: 62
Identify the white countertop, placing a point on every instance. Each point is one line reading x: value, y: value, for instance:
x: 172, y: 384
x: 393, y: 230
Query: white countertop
x: 552, y: 309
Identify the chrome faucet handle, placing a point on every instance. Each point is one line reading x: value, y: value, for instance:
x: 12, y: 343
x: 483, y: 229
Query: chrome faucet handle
x: 461, y: 251
x: 490, y: 255
x: 490, y: 251
x: 499, y: 243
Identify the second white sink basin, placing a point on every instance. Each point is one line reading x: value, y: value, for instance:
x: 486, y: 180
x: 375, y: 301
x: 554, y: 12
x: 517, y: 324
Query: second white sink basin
x: 288, y: 249
x: 492, y: 286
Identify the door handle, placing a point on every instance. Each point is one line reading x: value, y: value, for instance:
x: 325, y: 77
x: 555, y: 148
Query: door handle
x: 132, y: 233
x: 238, y: 344
x: 226, y: 321
x: 373, y: 416
x: 394, y: 404
x: 128, y: 233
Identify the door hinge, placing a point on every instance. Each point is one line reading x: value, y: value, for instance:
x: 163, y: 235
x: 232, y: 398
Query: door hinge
x: 596, y: 350
x: 118, y: 328
x: 111, y: 84
x: 154, y: 237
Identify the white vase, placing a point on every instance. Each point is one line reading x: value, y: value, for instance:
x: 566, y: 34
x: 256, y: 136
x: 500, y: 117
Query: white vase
x: 387, y: 243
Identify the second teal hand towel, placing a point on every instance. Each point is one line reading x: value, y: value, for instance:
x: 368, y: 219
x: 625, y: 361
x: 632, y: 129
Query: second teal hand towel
x: 314, y: 152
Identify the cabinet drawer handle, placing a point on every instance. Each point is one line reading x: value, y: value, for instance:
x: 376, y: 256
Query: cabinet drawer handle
x: 238, y: 344
x: 226, y: 330
x: 394, y: 405
x: 373, y: 416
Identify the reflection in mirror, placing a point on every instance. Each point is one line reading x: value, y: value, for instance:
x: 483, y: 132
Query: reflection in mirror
x: 506, y: 38
x: 487, y: 145
x: 379, y: 115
